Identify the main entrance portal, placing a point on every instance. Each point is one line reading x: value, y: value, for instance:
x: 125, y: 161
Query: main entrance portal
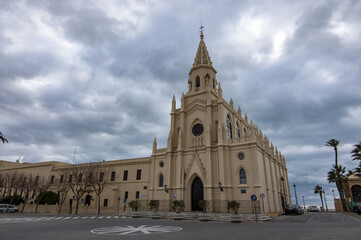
x: 197, y: 193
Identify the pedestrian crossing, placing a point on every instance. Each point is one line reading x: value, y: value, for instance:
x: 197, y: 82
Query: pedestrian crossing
x: 42, y: 219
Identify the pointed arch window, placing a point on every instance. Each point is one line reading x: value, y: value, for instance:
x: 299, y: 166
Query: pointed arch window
x: 242, y: 176
x: 238, y: 133
x: 229, y: 126
x: 161, y: 180
x: 198, y: 82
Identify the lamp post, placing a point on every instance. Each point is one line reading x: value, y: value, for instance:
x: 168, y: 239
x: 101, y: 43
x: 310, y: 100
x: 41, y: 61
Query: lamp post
x: 324, y: 195
x: 333, y: 191
x: 304, y: 205
x: 294, y: 186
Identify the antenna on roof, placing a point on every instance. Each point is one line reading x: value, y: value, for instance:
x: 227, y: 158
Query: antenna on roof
x: 74, y: 155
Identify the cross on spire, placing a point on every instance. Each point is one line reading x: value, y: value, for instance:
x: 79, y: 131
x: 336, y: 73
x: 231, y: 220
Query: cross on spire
x: 201, y: 28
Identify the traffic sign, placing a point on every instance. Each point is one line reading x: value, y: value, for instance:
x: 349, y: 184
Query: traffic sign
x: 253, y: 197
x: 262, y: 195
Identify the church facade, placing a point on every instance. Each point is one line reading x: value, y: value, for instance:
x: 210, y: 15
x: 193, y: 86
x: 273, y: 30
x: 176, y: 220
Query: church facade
x: 213, y: 153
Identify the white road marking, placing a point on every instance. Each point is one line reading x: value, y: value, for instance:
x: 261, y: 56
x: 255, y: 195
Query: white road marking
x: 135, y: 230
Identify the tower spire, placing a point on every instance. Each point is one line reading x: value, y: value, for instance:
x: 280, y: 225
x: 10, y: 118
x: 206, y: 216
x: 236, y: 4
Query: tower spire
x: 202, y: 58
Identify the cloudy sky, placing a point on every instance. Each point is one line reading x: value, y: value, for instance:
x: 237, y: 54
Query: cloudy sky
x: 99, y: 76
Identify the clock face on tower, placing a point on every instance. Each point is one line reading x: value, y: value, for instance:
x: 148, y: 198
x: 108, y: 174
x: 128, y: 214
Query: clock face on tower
x: 197, y: 129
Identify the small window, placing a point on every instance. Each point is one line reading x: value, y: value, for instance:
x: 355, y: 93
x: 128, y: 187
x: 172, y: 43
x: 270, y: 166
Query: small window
x: 70, y: 178
x: 126, y: 195
x: 242, y: 176
x: 52, y: 179
x: 112, y: 178
x: 161, y: 180
x: 198, y: 82
x: 61, y: 179
x: 240, y: 156
x: 125, y: 175
x: 101, y: 176
x: 80, y: 178
x: 145, y: 187
x: 161, y: 164
x: 243, y: 191
x: 137, y: 195
x: 139, y: 174
x: 105, y: 202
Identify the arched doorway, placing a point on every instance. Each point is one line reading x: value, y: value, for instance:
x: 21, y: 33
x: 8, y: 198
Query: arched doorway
x: 356, y: 193
x: 197, y: 193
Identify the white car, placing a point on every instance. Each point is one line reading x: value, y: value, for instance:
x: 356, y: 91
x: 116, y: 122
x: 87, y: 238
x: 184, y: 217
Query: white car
x: 8, y: 208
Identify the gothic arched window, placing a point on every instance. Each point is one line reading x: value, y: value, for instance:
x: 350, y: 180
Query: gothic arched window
x: 238, y: 133
x: 229, y: 126
x: 198, y: 81
x: 161, y: 180
x: 242, y: 176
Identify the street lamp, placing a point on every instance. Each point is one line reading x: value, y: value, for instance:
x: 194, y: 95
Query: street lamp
x: 220, y: 186
x: 325, y: 200
x: 304, y: 205
x: 294, y: 186
x: 166, y: 188
x: 333, y: 191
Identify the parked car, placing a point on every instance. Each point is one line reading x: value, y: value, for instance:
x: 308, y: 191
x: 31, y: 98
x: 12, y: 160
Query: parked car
x: 301, y: 210
x: 357, y: 209
x: 312, y: 209
x: 292, y: 209
x: 7, y: 208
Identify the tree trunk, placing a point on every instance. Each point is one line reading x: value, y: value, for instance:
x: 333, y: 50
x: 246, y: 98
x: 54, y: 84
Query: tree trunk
x: 342, y: 196
x: 336, y: 156
x: 98, y: 205
x: 322, y: 200
x: 77, y: 206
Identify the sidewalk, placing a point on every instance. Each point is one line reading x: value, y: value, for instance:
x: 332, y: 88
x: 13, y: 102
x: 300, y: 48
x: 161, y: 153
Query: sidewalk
x: 222, y: 217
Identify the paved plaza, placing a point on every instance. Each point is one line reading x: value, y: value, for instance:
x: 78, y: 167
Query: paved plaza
x: 308, y: 226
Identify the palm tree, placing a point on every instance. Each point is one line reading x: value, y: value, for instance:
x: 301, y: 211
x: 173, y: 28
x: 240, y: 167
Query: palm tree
x: 2, y: 138
x: 333, y: 143
x: 318, y: 190
x: 356, y: 152
x: 338, y: 175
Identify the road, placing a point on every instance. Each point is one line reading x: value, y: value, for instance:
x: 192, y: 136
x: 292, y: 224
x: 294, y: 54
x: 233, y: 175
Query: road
x: 308, y: 226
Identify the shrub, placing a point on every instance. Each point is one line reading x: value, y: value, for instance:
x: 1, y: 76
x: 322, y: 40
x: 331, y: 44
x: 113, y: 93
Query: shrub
x: 154, y: 205
x: 16, y: 200
x: 178, y: 205
x: 203, y: 204
x: 234, y: 206
x: 48, y: 197
x: 134, y: 205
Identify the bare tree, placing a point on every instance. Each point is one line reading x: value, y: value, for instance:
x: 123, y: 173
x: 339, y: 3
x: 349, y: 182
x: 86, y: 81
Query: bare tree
x: 41, y: 186
x: 2, y: 184
x: 78, y: 183
x: 29, y: 185
x: 63, y: 188
x: 99, y: 177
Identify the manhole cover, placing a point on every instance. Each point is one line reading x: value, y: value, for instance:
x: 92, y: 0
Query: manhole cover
x: 135, y: 230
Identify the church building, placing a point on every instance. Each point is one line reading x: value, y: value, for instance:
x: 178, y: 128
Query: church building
x: 213, y: 153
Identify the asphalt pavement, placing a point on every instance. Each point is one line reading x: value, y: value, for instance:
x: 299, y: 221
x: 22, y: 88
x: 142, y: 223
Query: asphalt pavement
x: 54, y: 227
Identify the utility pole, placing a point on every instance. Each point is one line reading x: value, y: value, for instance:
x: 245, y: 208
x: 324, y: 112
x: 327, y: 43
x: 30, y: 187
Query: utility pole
x: 294, y: 186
